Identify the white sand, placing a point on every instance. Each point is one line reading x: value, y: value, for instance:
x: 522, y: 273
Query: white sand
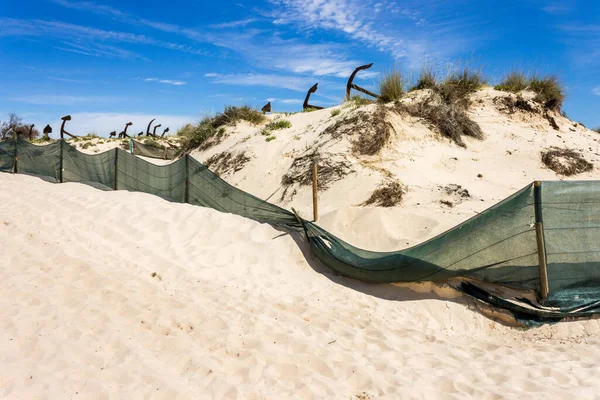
x: 236, y: 311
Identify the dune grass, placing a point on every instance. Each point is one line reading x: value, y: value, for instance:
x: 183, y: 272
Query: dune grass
x: 234, y: 114
x: 427, y: 79
x: 513, y: 82
x: 549, y: 91
x: 391, y: 86
x: 458, y: 85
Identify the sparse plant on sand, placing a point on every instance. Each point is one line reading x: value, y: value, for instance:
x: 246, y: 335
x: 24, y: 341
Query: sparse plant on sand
x: 596, y: 129
x: 269, y: 138
x: 387, y: 195
x: 391, y: 86
x: 86, y: 145
x: 565, y: 162
x: 513, y: 82
x: 309, y: 109
x: 359, y: 101
x: 549, y: 91
x: 335, y: 112
x: 275, y: 125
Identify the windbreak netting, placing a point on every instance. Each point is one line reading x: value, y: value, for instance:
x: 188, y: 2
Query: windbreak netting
x: 498, y: 245
x: 39, y: 160
x: 166, y: 181
x: 7, y: 155
x: 91, y: 169
x: 497, y: 256
x: 208, y: 190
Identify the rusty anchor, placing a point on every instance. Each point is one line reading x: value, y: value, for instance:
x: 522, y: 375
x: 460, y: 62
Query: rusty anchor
x: 350, y: 85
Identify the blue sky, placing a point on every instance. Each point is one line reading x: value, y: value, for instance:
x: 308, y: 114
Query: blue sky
x: 107, y: 62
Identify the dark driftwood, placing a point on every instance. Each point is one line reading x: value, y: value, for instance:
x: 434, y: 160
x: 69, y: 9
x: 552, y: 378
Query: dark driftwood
x: 266, y: 108
x: 350, y: 85
x: 112, y: 134
x: 155, y: 128
x: 31, y: 131
x: 62, y: 127
x: 311, y: 91
x: 164, y: 132
x: 148, y: 128
x: 124, y: 133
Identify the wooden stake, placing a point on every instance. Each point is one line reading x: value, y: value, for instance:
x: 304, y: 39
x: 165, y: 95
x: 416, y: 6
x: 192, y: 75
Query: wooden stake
x: 543, y: 270
x: 541, y: 245
x: 315, y: 192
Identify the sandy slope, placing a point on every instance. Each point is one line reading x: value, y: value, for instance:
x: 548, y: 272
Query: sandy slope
x: 235, y: 310
x: 508, y: 159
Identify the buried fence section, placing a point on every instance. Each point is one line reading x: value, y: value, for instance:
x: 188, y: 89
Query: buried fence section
x: 97, y: 170
x: 208, y: 190
x: 166, y: 181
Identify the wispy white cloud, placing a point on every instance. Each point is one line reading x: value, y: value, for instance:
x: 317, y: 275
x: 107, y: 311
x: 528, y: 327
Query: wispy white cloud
x: 166, y: 81
x: 291, y: 101
x: 346, y: 16
x: 72, y: 33
x: 557, y: 7
x: 65, y: 100
x: 234, y: 24
x: 68, y: 80
x: 596, y: 90
x: 267, y: 80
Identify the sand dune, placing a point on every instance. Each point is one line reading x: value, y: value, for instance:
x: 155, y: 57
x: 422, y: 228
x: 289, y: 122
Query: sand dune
x: 124, y: 295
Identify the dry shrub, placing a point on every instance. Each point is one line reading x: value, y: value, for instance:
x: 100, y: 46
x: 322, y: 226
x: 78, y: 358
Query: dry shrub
x: 597, y: 130
x: 372, y: 129
x: 329, y: 169
x: 565, y: 161
x: 371, y: 141
x: 226, y: 162
x: 387, y: 195
x: 451, y: 119
x: 511, y: 105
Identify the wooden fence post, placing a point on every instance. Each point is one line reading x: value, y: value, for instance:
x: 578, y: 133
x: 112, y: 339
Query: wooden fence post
x: 186, y: 192
x: 62, y: 142
x: 15, y: 159
x: 116, y: 169
x: 541, y: 245
x: 315, y: 191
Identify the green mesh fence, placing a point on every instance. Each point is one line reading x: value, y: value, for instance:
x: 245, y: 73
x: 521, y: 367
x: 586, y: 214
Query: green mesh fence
x: 91, y: 169
x: 7, y: 155
x: 496, y: 256
x: 166, y: 181
x: 39, y: 160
